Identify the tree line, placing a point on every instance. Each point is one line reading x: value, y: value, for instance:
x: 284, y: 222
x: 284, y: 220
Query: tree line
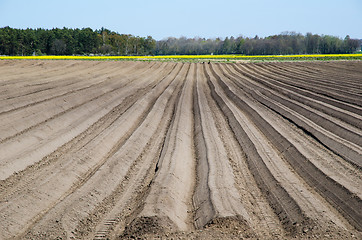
x: 86, y: 41
x: 282, y: 44
x: 68, y: 41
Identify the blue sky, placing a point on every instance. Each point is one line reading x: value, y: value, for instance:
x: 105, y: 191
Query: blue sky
x: 190, y: 18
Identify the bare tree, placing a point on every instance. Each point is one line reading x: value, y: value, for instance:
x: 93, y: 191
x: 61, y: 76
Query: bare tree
x: 58, y: 47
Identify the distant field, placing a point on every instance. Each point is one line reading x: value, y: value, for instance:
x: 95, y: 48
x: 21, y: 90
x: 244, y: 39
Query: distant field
x: 201, y: 57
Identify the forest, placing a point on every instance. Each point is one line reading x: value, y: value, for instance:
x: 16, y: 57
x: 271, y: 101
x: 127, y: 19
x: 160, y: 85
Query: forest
x: 68, y: 41
x: 85, y: 41
x: 282, y: 44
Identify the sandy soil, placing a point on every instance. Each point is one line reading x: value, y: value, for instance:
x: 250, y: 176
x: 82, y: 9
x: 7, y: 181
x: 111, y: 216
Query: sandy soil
x: 151, y: 150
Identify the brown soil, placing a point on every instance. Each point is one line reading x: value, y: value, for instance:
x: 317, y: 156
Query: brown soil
x: 151, y: 150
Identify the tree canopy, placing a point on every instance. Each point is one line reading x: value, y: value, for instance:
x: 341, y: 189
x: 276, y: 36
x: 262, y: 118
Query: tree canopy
x: 68, y: 41
x: 282, y: 44
x: 86, y: 41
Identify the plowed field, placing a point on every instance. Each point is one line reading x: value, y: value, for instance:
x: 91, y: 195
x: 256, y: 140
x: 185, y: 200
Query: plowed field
x: 103, y: 149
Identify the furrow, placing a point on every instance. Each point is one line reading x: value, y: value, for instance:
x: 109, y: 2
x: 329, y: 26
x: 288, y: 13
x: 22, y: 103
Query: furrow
x: 338, y: 196
x: 325, y: 71
x: 204, y: 210
x: 125, y: 199
x: 90, y: 132
x: 35, y: 114
x: 168, y: 203
x: 34, y: 69
x: 42, y: 83
x: 224, y: 195
x: 45, y: 135
x: 307, y: 92
x: 223, y: 177
x: 351, y: 100
x: 284, y: 206
x: 314, y: 75
x: 317, y: 152
x: 339, y: 86
x: 86, y: 161
x: 140, y: 149
x: 74, y: 86
x: 296, y: 94
x: 339, y: 145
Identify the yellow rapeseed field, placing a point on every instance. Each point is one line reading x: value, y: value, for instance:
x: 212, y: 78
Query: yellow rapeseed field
x: 183, y: 57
